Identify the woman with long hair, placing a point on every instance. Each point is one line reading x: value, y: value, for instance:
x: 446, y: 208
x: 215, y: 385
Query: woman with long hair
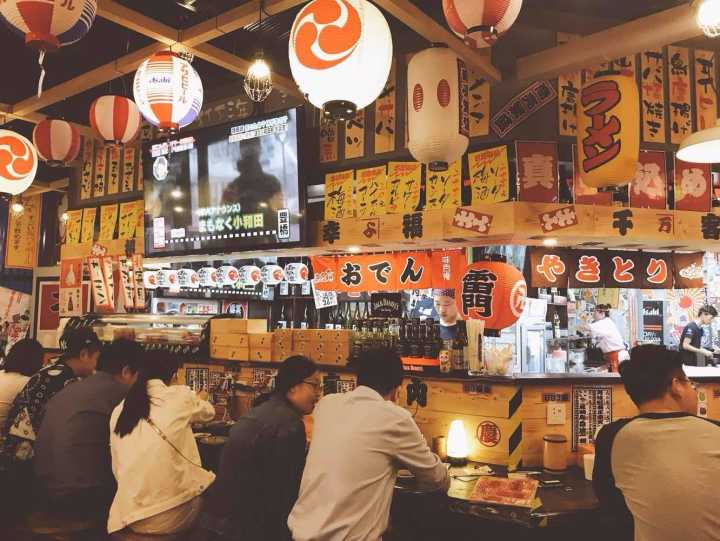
x: 25, y: 358
x: 155, y: 459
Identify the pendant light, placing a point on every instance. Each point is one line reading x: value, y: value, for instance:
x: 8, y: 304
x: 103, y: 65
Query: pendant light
x: 701, y: 147
x: 707, y: 15
x: 258, y: 80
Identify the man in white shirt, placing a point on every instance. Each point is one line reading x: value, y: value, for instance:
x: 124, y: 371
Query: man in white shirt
x: 607, y: 336
x: 360, y: 439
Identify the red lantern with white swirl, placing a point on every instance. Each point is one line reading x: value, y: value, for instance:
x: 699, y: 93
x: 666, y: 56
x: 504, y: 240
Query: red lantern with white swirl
x: 438, y: 112
x: 18, y: 163
x: 340, y: 54
x: 57, y: 142
x: 115, y: 118
x: 492, y: 291
x: 481, y: 22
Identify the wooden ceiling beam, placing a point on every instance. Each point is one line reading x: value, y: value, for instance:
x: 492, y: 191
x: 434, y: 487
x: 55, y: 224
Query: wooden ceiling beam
x: 564, y: 22
x: 6, y: 115
x: 669, y: 26
x: 421, y: 23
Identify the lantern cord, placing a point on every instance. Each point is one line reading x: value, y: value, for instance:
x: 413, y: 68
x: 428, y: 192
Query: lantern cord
x: 41, y: 59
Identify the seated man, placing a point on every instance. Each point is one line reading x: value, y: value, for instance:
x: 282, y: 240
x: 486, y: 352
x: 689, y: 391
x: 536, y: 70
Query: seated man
x: 359, y: 441
x: 660, y: 470
x: 72, y: 451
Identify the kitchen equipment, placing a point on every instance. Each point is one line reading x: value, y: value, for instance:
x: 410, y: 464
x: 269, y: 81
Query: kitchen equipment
x: 554, y: 453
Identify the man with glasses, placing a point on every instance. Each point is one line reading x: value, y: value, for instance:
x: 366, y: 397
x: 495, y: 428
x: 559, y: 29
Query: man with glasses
x: 658, y: 472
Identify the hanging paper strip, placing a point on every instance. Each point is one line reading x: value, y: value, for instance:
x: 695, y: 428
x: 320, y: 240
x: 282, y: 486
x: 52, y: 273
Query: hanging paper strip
x: 442, y: 188
x: 489, y: 175
x: 71, y: 288
x: 128, y: 176
x: 538, y: 177
x: 128, y: 220
x: 355, y: 136
x: 479, y: 89
x: 680, y: 105
x: 693, y: 186
x: 652, y: 80
x: 73, y: 227
x: 113, y: 182
x: 370, y: 191
x: 127, y: 281
x: 569, y: 85
x: 108, y: 220
x: 447, y: 267
x: 386, y: 115
x: 328, y: 142
x: 23, y: 235
x: 403, y: 187
x: 705, y: 91
x: 107, y: 266
x: 140, y: 178
x: 649, y: 187
x: 88, y: 225
x: 101, y: 295
x: 140, y: 213
x: 140, y: 297
x: 584, y: 194
x: 86, y: 174
x: 339, y: 201
x: 100, y: 171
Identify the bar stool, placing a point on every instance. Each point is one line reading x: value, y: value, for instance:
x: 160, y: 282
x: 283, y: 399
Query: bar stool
x: 56, y: 527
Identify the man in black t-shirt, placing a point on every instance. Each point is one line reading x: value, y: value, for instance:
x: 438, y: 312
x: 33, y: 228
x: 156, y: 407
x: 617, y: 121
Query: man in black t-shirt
x: 691, y: 338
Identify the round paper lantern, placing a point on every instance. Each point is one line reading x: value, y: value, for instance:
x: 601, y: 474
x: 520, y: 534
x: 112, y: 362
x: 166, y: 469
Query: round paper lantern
x: 608, y: 140
x: 481, y: 22
x: 296, y: 273
x: 18, y: 163
x: 56, y: 141
x: 340, y: 54
x: 438, y: 112
x: 250, y: 275
x: 272, y: 274
x: 227, y: 275
x: 168, y: 91
x: 492, y: 291
x: 115, y: 119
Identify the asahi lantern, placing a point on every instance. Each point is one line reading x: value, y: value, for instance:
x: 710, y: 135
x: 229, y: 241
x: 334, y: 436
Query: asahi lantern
x: 492, y: 291
x: 272, y: 274
x: 227, y: 275
x: 608, y: 140
x: 296, y: 273
x: 437, y: 107
x: 208, y: 277
x: 250, y: 275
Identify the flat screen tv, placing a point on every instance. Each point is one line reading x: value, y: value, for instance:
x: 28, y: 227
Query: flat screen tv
x: 226, y: 188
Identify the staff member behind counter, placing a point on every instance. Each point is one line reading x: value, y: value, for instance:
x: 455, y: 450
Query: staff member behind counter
x: 444, y: 302
x: 693, y: 354
x: 607, y: 337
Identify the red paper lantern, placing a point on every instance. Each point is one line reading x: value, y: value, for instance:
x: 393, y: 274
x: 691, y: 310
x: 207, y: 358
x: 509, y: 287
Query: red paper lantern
x: 115, y: 118
x: 57, y: 142
x: 492, y: 291
x: 481, y: 23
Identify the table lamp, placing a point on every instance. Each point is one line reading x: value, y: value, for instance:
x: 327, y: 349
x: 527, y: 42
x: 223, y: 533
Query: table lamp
x: 457, y: 444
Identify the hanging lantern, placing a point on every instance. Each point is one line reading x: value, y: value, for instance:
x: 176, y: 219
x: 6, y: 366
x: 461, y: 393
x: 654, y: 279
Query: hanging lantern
x: 608, y: 139
x: 438, y: 112
x: 48, y: 26
x: 168, y: 91
x: 340, y: 55
x: 492, y: 291
x: 249, y: 275
x: 115, y: 119
x: 481, y: 22
x: 56, y: 141
x: 272, y: 275
x: 18, y: 163
x: 258, y: 80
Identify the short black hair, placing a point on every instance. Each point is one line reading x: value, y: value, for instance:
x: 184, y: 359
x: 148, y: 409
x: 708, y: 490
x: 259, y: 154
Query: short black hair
x: 707, y: 309
x: 380, y: 369
x: 292, y: 372
x: 73, y: 341
x: 121, y: 353
x: 603, y: 308
x: 650, y: 371
x: 25, y: 357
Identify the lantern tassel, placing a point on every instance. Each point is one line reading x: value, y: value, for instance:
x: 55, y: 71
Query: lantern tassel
x: 41, y: 59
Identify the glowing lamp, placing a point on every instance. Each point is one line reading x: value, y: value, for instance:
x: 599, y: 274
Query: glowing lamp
x: 18, y: 162
x: 707, y: 15
x: 340, y: 55
x: 258, y: 80
x: 480, y: 24
x: 701, y: 147
x: 457, y: 444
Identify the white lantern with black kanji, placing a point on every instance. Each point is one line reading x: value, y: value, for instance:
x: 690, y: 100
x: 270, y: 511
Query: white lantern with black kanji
x: 438, y: 114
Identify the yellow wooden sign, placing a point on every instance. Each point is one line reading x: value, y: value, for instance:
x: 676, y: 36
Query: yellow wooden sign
x: 680, y: 103
x: 568, y: 90
x: 23, y: 235
x: 652, y: 83
x: 479, y: 102
x: 328, y: 142
x: 140, y: 213
x: 108, y: 220
x: 443, y: 188
x: 339, y: 201
x: 403, y: 187
x: 370, y: 191
x: 88, y: 225
x: 100, y: 171
x: 386, y: 115
x: 128, y: 176
x: 128, y: 220
x: 73, y: 227
x: 86, y: 174
x: 489, y: 175
x: 355, y: 136
x: 113, y: 184
x: 705, y: 91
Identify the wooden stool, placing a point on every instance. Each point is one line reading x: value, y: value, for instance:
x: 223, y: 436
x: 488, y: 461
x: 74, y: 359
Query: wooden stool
x: 59, y: 527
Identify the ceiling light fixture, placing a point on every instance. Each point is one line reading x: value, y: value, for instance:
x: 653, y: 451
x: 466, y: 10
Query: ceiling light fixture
x: 258, y: 80
x: 707, y: 15
x: 550, y: 242
x: 17, y: 207
x: 701, y: 147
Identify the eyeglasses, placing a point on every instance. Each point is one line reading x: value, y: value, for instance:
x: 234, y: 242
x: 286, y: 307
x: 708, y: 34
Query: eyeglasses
x: 315, y: 384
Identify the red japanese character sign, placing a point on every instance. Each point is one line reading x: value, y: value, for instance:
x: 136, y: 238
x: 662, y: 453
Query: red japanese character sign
x: 609, y: 131
x: 538, y: 176
x: 548, y: 267
x: 624, y: 269
x: 693, y: 186
x: 657, y: 271
x: 648, y: 188
x: 587, y: 268
x: 492, y: 291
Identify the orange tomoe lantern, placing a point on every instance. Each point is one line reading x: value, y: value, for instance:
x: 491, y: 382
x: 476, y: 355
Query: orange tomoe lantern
x: 492, y: 291
x: 609, y: 131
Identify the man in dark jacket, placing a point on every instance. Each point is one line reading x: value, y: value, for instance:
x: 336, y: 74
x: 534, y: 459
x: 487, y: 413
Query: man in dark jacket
x: 262, y: 463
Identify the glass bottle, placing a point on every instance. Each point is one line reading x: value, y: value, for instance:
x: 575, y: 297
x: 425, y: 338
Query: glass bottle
x: 304, y: 323
x: 282, y: 319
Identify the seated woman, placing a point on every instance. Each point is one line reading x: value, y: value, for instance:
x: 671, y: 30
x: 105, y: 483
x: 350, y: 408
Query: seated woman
x: 25, y: 358
x: 155, y: 459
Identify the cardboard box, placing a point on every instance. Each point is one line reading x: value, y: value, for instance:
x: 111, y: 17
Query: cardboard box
x: 332, y: 348
x: 329, y: 335
x: 261, y: 340
x: 335, y: 359
x: 283, y: 336
x: 233, y: 340
x: 279, y: 353
x: 229, y: 353
x: 261, y: 354
x: 237, y: 326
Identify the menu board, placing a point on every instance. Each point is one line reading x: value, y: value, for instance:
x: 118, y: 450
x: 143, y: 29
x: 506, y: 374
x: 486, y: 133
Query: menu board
x: 592, y: 408
x: 652, y: 319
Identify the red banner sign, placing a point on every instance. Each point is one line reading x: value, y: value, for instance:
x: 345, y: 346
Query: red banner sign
x: 649, y: 187
x: 693, y: 186
x: 537, y: 165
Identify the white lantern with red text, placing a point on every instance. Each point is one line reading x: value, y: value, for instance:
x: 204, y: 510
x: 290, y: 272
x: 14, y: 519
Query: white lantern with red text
x: 115, y: 118
x: 56, y: 141
x: 168, y: 91
x: 340, y: 54
x: 18, y: 163
x: 481, y: 22
x: 438, y: 114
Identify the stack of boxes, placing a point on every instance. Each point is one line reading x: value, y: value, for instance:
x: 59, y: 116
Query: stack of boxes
x: 323, y: 346
x: 240, y: 339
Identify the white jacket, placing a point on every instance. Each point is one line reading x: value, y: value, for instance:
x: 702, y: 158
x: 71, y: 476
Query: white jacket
x: 151, y: 476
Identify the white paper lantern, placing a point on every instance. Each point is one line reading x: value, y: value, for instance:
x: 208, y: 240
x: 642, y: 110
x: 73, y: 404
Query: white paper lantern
x: 296, y: 273
x: 188, y: 278
x: 481, y: 22
x: 249, y: 275
x: 208, y: 277
x: 272, y: 274
x: 438, y: 114
x: 227, y: 275
x: 18, y: 162
x: 168, y: 91
x: 340, y: 54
